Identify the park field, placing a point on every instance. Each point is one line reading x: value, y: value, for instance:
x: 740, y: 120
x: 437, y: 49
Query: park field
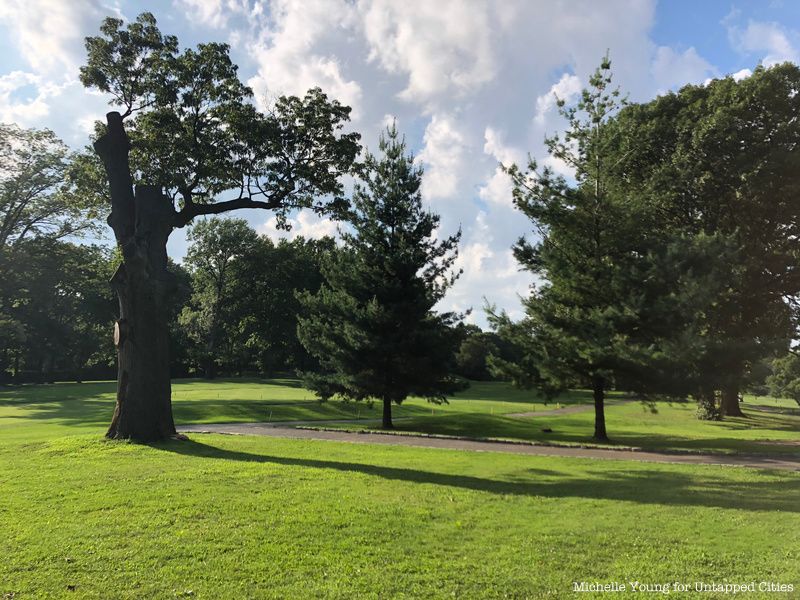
x: 258, y: 517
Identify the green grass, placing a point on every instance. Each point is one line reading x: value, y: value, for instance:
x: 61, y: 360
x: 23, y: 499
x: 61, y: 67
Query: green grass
x: 480, y: 412
x: 663, y: 426
x: 249, y: 517
x: 90, y: 404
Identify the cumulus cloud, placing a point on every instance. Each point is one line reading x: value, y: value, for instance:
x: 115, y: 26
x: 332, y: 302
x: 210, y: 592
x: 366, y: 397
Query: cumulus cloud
x: 471, y: 82
x: 672, y: 69
x: 566, y: 89
x: 770, y: 40
x: 23, y: 109
x: 49, y: 33
x: 441, y: 46
x: 305, y: 224
x: 291, y: 57
x: 496, y: 146
x: 442, y: 157
x: 743, y: 74
x: 490, y: 273
x: 212, y: 13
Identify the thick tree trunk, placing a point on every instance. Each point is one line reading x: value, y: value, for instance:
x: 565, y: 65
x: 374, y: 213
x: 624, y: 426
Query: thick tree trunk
x: 210, y: 371
x: 387, y: 414
x: 599, y: 392
x: 144, y: 406
x: 142, y: 221
x: 729, y: 405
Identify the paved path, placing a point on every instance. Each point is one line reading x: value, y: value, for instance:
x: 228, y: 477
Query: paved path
x: 567, y: 410
x: 266, y: 429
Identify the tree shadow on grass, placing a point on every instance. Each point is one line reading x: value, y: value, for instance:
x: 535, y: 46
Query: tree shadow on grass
x: 767, y: 492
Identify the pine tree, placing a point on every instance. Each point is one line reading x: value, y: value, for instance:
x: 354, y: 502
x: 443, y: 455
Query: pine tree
x: 372, y: 324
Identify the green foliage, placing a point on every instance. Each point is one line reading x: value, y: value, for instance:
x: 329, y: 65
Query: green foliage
x: 372, y: 324
x: 216, y: 245
x: 36, y: 196
x: 719, y: 160
x: 474, y: 349
x: 53, y: 295
x: 57, y: 309
x: 195, y: 132
x: 266, y: 284
x: 785, y: 379
x: 129, y: 64
x: 581, y: 322
x: 242, y: 314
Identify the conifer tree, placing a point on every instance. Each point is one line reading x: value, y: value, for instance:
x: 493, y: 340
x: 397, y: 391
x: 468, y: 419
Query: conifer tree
x: 372, y: 325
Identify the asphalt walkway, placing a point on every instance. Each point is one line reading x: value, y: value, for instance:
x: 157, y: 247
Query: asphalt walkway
x: 788, y: 463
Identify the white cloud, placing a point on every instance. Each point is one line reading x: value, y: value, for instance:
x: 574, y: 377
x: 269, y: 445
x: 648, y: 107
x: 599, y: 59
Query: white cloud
x: 489, y: 272
x: 305, y: 224
x: 566, y: 89
x: 672, y: 69
x: 442, y: 46
x: 497, y: 189
x: 442, y: 157
x: 26, y: 109
x: 743, y: 74
x: 771, y: 40
x: 462, y: 76
x: 213, y: 13
x: 49, y: 33
x: 289, y: 55
x: 496, y: 147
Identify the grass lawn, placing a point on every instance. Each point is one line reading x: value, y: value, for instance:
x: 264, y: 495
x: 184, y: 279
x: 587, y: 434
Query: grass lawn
x: 664, y: 426
x: 481, y: 412
x: 67, y: 405
x: 248, y: 517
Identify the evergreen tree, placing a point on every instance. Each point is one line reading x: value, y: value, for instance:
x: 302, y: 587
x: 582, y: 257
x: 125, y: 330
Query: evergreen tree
x: 606, y: 310
x: 572, y: 321
x: 372, y: 324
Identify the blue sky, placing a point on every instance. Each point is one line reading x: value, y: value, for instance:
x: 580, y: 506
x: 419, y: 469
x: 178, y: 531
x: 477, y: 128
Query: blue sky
x: 470, y: 82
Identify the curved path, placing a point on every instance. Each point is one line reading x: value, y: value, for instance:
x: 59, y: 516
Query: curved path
x: 566, y: 410
x: 757, y: 462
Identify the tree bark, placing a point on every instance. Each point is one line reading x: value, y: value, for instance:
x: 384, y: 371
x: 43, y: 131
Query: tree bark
x: 729, y: 405
x: 598, y: 389
x: 142, y: 221
x: 210, y: 371
x: 387, y: 414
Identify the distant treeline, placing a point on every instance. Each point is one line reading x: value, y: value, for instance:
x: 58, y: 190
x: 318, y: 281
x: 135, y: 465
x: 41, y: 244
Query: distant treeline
x: 235, y: 310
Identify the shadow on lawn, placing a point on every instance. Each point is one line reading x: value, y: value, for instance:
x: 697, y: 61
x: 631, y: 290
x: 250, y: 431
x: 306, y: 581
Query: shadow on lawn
x: 778, y: 491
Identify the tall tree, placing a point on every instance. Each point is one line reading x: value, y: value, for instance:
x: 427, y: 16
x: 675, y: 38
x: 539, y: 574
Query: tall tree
x: 573, y: 320
x: 721, y: 160
x: 216, y: 246
x: 784, y: 382
x: 192, y: 135
x: 57, y: 294
x: 38, y: 208
x: 267, y: 308
x: 372, y: 324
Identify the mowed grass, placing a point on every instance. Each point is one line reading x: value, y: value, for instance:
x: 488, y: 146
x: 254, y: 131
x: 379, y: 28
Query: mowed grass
x: 91, y: 404
x: 770, y: 427
x: 249, y: 517
x: 482, y: 411
x: 254, y: 517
